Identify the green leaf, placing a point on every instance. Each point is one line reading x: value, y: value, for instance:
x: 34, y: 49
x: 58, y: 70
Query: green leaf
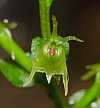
x: 91, y: 94
x: 14, y: 74
x: 93, y: 70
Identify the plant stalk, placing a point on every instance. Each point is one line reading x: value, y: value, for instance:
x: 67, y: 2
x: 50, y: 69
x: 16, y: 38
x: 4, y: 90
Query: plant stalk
x: 55, y: 95
x: 44, y: 9
x: 52, y: 89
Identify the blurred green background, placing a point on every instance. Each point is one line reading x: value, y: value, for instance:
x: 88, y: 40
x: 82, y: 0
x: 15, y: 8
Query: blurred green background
x: 75, y: 17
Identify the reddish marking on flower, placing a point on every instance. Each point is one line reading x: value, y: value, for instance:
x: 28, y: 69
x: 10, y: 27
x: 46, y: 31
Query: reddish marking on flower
x: 52, y: 51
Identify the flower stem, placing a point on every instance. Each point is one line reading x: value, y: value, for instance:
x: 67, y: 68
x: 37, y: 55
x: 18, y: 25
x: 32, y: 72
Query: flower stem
x: 55, y: 95
x: 44, y: 9
x: 52, y: 90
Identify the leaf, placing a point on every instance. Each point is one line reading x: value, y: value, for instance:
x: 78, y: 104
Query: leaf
x: 88, y: 75
x: 89, y: 96
x: 93, y: 70
x: 14, y: 74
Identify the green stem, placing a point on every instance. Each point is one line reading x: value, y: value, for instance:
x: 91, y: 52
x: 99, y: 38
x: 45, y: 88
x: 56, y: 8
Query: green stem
x: 52, y: 89
x: 55, y: 95
x: 44, y: 8
x: 10, y: 46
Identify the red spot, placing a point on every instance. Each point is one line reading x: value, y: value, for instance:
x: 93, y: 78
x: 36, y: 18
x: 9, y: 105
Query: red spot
x: 52, y: 51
